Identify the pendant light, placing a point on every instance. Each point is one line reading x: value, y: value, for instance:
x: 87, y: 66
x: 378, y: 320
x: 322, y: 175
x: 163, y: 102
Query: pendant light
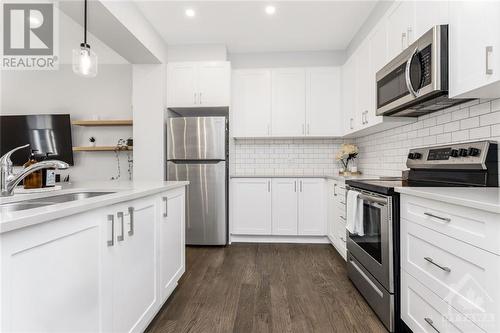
x: 84, y: 59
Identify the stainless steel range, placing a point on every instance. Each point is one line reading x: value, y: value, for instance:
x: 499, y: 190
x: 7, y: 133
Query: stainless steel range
x: 373, y: 257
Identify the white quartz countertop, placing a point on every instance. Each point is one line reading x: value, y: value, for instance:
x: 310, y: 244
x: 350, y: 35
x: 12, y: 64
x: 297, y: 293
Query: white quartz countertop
x: 487, y: 199
x: 334, y: 177
x: 123, y: 191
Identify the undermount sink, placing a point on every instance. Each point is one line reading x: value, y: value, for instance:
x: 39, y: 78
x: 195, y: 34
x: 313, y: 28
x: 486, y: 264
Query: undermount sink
x: 46, y: 201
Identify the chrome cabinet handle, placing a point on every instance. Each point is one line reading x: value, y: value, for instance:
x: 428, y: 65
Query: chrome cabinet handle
x: 409, y: 30
x: 120, y: 216
x: 350, y: 123
x: 334, y: 190
x: 301, y: 186
x: 165, y: 200
x: 403, y: 37
x: 343, y: 218
x: 111, y: 218
x: 268, y: 186
x: 489, y: 50
x: 431, y: 324
x: 447, y: 219
x: 295, y: 186
x: 199, y: 98
x: 444, y: 268
x: 131, y: 214
x: 194, y: 98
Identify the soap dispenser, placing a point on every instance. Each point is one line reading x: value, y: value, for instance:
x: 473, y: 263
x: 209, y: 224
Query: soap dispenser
x: 48, y: 174
x: 33, y: 180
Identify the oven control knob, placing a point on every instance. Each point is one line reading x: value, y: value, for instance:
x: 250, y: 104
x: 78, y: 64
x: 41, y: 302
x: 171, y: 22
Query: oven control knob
x: 411, y: 156
x: 454, y: 153
x: 417, y: 156
x: 473, y: 151
x: 462, y: 152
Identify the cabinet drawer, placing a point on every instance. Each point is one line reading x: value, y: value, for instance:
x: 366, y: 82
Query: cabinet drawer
x: 473, y: 226
x: 462, y: 275
x: 423, y: 311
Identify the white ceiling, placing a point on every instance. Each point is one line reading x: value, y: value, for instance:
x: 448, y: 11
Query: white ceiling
x: 243, y: 26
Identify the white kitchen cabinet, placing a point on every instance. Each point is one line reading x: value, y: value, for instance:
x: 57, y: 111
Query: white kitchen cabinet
x: 288, y: 102
x: 400, y: 27
x: 323, y: 95
x: 331, y: 207
x: 363, y: 93
x: 429, y: 14
x: 251, y: 103
x: 171, y: 240
x: 251, y: 206
x: 134, y: 257
x: 284, y: 206
x: 198, y: 84
x: 311, y: 207
x: 474, y: 49
x: 51, y: 276
x: 349, y: 95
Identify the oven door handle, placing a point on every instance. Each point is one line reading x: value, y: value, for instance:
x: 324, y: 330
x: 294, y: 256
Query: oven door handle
x: 370, y: 198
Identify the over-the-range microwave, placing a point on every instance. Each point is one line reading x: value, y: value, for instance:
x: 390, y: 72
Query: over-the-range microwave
x: 416, y: 81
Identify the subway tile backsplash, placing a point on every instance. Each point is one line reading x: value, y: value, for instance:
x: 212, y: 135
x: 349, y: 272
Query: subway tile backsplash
x: 382, y: 154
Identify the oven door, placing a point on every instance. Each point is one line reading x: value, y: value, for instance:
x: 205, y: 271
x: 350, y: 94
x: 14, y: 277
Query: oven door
x: 374, y: 249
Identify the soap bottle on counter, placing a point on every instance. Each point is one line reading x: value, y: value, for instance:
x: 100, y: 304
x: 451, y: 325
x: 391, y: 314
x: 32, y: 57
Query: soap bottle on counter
x: 33, y: 180
x: 49, y: 174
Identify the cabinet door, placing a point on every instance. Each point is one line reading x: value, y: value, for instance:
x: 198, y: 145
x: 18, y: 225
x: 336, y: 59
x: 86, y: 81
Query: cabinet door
x: 400, y: 25
x: 428, y: 14
x: 284, y: 203
x: 330, y: 211
x: 288, y: 102
x: 214, y: 84
x: 348, y: 95
x: 362, y: 104
x: 182, y: 84
x: 312, y: 210
x: 134, y: 266
x: 323, y: 112
x: 251, y: 207
x: 52, y: 277
x: 171, y: 240
x: 474, y: 44
x: 251, y: 106
x: 378, y: 59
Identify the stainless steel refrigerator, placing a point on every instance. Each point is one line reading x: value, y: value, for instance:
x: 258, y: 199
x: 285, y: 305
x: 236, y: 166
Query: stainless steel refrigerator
x: 197, y: 151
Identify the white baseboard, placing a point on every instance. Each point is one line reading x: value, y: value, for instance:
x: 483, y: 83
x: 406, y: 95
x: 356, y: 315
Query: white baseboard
x: 279, y: 239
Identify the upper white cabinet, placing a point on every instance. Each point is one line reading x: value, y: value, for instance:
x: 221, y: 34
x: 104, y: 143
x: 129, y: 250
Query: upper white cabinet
x: 198, y: 84
x: 400, y: 27
x: 323, y: 112
x: 288, y: 102
x: 251, y: 103
x: 363, y: 92
x: 428, y: 14
x: 348, y: 95
x: 474, y: 36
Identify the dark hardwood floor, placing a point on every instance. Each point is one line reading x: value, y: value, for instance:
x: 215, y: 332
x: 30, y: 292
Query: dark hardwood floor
x: 265, y: 288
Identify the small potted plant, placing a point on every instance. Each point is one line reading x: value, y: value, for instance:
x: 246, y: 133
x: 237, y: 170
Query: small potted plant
x: 347, y: 153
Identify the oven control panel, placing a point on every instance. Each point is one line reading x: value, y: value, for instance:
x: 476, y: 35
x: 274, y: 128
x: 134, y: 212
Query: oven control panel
x: 469, y: 155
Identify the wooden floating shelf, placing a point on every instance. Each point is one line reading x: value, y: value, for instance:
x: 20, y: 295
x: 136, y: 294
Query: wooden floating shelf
x: 116, y: 122
x: 102, y: 148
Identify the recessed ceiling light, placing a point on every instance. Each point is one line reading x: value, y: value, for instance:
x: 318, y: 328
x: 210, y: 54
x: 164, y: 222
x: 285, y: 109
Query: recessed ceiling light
x: 270, y: 10
x: 190, y: 12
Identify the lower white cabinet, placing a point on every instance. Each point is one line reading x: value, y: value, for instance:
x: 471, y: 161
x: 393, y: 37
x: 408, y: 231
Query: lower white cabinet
x: 105, y: 270
x: 171, y: 240
x: 336, y: 212
x: 251, y: 206
x: 278, y: 206
x: 133, y: 261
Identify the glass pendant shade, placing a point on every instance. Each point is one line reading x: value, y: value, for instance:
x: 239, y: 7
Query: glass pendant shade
x: 84, y: 61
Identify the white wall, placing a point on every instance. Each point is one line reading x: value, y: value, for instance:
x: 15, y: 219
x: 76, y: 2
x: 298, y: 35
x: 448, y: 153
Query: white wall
x: 203, y: 52
x: 287, y: 59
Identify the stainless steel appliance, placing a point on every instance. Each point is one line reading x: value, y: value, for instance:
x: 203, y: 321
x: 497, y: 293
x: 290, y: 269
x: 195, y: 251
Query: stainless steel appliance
x: 416, y: 81
x: 373, y: 259
x: 197, y: 151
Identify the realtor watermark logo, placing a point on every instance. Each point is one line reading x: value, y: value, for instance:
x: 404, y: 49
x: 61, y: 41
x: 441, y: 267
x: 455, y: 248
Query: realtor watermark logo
x: 29, y: 37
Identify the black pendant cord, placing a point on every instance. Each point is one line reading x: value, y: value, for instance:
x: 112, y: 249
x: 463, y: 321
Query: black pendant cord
x: 85, y: 24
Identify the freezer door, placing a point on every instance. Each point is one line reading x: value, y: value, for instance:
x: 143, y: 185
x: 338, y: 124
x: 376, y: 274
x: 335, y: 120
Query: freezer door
x: 196, y: 138
x: 206, y: 201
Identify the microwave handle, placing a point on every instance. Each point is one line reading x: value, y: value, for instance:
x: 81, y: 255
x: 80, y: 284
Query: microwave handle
x: 407, y: 74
